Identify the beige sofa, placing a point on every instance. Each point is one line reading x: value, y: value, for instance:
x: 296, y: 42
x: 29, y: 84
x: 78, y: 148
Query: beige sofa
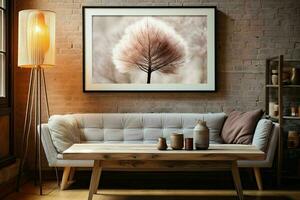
x: 64, y: 130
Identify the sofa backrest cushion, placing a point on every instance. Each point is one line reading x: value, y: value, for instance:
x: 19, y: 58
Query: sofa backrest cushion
x: 145, y: 126
x: 262, y: 134
x: 64, y: 131
x: 129, y: 127
x: 239, y: 127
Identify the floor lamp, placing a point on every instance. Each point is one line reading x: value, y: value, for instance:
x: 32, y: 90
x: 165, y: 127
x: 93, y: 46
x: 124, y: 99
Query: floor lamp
x: 36, y: 50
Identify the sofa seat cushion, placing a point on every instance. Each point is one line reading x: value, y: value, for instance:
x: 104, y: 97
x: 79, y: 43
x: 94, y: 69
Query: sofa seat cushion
x: 64, y: 131
x: 239, y: 127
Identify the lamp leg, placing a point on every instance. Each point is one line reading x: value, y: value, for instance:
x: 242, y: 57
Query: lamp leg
x: 45, y: 92
x: 40, y: 127
x: 26, y: 111
x: 42, y: 84
x: 27, y: 126
x: 35, y: 126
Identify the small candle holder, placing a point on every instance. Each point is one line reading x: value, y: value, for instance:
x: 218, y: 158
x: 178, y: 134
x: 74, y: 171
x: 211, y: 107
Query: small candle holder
x: 177, y: 141
x: 188, y: 144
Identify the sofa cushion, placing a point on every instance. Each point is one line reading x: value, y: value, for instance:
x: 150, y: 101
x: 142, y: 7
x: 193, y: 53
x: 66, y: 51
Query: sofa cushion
x: 64, y: 131
x: 113, y: 127
x: 262, y: 134
x: 188, y: 121
x: 239, y: 127
x: 98, y: 127
x: 215, y: 123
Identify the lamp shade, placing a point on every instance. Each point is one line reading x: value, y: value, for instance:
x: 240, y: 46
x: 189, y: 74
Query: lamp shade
x: 36, y: 38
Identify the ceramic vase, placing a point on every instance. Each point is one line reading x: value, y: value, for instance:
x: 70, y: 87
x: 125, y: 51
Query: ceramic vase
x: 274, y: 77
x: 177, y: 141
x: 201, y: 136
x: 162, y: 143
x: 295, y: 78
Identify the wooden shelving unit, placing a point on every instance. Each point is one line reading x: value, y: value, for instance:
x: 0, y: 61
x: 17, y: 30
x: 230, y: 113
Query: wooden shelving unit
x: 281, y: 64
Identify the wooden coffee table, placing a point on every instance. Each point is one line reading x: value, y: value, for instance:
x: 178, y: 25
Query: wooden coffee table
x: 147, y: 157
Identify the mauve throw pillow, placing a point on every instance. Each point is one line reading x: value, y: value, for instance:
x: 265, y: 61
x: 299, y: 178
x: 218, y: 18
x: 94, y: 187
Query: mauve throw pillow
x: 239, y: 127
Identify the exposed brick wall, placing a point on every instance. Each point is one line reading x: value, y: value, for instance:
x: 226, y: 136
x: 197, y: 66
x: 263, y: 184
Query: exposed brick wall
x: 248, y: 31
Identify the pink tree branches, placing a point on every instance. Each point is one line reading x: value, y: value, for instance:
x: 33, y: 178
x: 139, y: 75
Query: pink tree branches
x: 150, y: 45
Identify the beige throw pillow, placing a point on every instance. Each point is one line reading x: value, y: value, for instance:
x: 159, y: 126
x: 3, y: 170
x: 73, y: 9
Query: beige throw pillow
x: 64, y: 131
x: 262, y: 134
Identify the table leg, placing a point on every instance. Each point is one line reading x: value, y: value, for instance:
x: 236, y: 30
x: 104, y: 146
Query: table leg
x: 95, y: 179
x: 237, y: 180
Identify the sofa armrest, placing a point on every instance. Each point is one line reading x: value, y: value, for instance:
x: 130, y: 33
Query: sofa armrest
x: 272, y: 144
x: 50, y: 151
x: 270, y: 153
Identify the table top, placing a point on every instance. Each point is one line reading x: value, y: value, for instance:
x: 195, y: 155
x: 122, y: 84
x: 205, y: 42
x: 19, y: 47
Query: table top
x: 149, y: 152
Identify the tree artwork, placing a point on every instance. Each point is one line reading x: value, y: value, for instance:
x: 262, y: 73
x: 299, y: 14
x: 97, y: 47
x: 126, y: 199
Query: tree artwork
x: 150, y: 45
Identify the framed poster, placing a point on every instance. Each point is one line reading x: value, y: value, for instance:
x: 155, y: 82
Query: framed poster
x: 149, y: 48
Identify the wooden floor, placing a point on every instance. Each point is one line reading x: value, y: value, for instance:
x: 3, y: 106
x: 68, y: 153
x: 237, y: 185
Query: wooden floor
x: 51, y: 192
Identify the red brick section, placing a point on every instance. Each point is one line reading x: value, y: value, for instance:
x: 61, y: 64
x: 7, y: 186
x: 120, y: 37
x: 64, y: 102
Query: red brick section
x: 247, y: 31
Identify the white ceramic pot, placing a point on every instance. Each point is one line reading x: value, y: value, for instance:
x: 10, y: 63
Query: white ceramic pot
x: 201, y: 136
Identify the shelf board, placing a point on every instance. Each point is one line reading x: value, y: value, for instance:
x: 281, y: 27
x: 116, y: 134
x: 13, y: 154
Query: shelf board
x: 272, y: 86
x: 273, y: 58
x: 285, y: 86
x: 291, y: 118
x: 294, y: 149
x: 291, y: 60
x: 291, y: 86
x: 295, y: 177
x: 276, y: 58
x: 275, y: 119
